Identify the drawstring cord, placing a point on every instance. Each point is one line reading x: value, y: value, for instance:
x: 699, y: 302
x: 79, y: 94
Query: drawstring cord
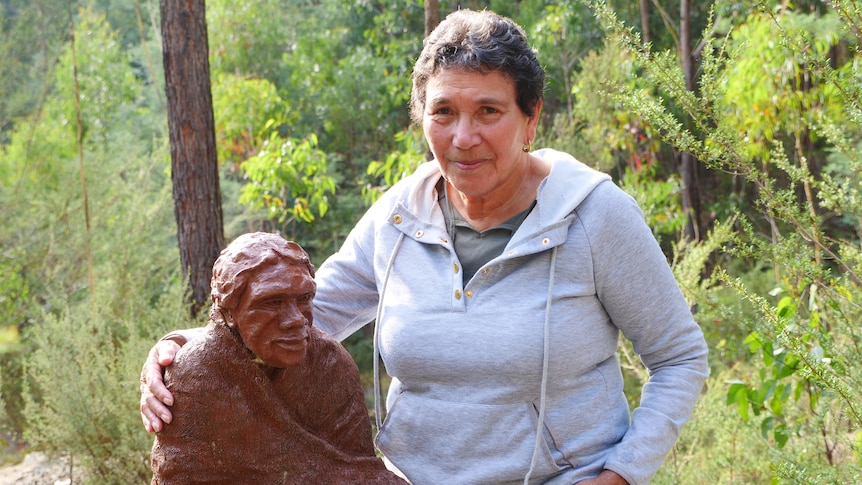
x: 546, y: 351
x: 376, y: 352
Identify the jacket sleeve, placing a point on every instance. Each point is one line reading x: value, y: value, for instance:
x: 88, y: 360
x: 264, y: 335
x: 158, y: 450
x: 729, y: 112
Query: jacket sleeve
x: 637, y: 289
x: 346, y: 298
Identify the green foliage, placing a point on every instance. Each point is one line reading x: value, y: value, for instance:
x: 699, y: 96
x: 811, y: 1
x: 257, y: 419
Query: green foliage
x: 800, y: 384
x: 31, y: 32
x: 81, y: 354
x: 330, y: 77
x: 15, y: 297
x: 106, y: 86
x: 83, y: 388
x: 715, y: 445
x: 348, y: 74
x: 563, y: 35
x: 288, y: 178
x: 770, y: 89
x: 658, y: 199
x: 690, y: 261
x: 773, y: 390
x: 246, y: 110
x: 69, y: 378
x: 81, y: 349
x: 249, y: 38
x: 398, y: 164
x: 107, y: 92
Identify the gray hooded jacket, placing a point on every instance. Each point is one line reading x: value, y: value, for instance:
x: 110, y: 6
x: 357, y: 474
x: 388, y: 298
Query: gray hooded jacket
x: 513, y: 375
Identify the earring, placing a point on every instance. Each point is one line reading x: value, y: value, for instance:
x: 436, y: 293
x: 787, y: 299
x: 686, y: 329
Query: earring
x: 526, y: 148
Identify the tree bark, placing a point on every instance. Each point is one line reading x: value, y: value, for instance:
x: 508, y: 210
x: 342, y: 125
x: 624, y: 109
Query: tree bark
x: 432, y: 15
x: 687, y: 161
x: 194, y: 161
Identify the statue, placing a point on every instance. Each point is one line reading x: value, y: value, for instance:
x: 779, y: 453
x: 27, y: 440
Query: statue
x: 263, y: 397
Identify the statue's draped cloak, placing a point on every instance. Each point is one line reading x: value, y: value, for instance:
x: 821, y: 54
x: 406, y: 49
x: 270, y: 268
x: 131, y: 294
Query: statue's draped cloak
x: 238, y: 421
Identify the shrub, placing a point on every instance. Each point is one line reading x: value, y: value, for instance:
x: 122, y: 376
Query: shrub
x: 82, y: 386
x: 797, y: 386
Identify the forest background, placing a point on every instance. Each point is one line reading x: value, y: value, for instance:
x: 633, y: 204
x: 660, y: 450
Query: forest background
x: 737, y: 125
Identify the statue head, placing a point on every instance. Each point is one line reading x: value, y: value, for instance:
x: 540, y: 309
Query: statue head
x: 262, y: 288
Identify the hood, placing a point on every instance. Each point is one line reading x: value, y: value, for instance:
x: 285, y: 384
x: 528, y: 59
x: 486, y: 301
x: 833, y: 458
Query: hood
x: 569, y: 183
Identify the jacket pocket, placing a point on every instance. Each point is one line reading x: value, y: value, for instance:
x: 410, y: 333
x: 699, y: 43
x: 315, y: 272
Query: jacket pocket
x: 434, y: 441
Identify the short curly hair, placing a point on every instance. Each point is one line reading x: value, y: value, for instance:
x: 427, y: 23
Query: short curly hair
x: 479, y: 41
x: 237, y: 262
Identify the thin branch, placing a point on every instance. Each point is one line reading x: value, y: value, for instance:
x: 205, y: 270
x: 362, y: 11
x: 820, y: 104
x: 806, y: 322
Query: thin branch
x: 79, y: 139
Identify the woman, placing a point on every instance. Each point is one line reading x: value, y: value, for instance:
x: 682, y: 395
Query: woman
x: 501, y: 279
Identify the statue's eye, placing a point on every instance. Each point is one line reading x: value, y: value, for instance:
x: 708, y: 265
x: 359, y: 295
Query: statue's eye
x: 272, y: 303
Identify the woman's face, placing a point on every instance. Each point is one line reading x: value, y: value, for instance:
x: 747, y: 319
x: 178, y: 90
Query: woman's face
x: 476, y: 131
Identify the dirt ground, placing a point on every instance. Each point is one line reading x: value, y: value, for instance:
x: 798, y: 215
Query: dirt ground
x: 36, y: 469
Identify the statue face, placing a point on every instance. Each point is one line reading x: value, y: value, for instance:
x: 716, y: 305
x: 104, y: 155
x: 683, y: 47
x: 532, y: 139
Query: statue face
x: 274, y: 314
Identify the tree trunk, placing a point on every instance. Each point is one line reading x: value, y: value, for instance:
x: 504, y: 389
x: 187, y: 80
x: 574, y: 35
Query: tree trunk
x: 432, y: 15
x: 644, y: 11
x: 194, y: 163
x: 687, y: 161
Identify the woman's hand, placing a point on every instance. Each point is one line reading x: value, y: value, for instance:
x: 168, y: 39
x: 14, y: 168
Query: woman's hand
x: 155, y: 397
x: 607, y: 477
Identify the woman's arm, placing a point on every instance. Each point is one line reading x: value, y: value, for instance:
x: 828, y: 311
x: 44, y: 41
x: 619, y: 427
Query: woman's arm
x: 640, y: 294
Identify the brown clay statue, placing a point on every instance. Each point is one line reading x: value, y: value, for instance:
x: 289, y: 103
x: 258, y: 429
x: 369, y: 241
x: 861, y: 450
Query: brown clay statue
x: 263, y: 397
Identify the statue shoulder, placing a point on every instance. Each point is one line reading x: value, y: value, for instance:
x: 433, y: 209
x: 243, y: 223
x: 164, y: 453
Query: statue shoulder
x: 211, y: 354
x: 324, y: 348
